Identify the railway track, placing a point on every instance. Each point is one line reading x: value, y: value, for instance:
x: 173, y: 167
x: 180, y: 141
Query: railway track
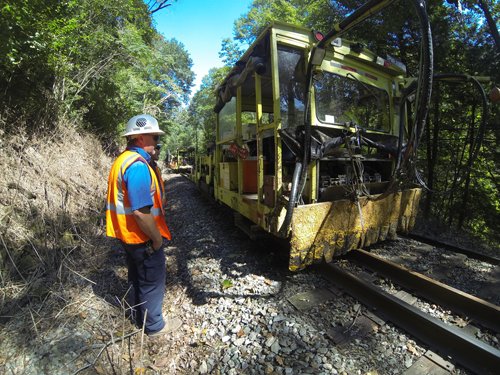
x: 482, y: 312
x: 457, y: 249
x: 447, y: 340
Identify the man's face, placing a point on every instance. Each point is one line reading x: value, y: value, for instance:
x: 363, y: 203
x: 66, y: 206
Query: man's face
x: 148, y: 142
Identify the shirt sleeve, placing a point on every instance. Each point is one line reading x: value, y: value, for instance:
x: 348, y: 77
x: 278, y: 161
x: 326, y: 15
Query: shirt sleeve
x: 138, y: 181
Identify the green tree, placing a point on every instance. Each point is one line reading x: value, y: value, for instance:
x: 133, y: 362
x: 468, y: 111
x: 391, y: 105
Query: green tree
x: 318, y: 14
x: 99, y: 61
x: 179, y: 132
x: 230, y: 52
x: 202, y: 117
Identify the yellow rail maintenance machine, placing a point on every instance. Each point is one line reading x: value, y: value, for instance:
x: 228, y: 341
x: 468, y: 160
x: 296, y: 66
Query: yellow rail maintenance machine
x: 314, y: 138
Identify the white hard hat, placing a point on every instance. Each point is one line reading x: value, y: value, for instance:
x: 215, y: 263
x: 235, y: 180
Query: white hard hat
x: 142, y: 124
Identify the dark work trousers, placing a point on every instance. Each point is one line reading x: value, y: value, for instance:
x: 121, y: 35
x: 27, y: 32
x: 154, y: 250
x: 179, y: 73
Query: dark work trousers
x: 146, y: 275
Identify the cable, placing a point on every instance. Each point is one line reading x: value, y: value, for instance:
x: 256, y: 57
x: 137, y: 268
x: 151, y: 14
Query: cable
x: 476, y: 144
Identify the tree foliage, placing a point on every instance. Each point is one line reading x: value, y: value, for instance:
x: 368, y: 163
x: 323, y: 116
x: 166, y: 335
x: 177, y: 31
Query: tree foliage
x: 99, y: 61
x: 230, y: 51
x: 194, y: 126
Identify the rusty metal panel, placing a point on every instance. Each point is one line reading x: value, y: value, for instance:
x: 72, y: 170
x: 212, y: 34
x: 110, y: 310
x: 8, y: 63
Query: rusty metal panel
x: 324, y: 230
x: 307, y: 300
x: 424, y: 365
x: 360, y: 329
x: 430, y: 363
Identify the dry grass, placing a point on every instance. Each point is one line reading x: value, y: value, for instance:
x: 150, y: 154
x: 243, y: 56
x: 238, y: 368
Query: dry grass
x: 52, y: 194
x: 61, y: 287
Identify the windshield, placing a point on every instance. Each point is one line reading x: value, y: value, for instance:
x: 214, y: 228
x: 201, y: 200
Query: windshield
x: 291, y: 81
x: 346, y: 99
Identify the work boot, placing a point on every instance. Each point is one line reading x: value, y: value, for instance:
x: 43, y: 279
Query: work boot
x: 171, y: 325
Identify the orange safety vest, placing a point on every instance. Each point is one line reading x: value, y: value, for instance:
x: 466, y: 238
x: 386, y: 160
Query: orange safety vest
x: 120, y: 221
x: 160, y: 180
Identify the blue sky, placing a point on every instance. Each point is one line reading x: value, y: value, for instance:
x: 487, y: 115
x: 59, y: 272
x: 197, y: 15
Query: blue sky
x: 201, y: 25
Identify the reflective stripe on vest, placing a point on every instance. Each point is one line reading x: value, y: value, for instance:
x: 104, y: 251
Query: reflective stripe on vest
x: 160, y: 181
x: 120, y: 221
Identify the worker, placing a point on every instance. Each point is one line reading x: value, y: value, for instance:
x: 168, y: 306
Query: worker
x: 173, y: 164
x: 135, y: 216
x: 155, y: 156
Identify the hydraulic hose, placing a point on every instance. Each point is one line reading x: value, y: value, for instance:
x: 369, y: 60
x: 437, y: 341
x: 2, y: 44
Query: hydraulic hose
x: 484, y: 99
x: 300, y: 170
x: 424, y: 87
x: 292, y: 201
x: 454, y: 77
x: 410, y: 90
x: 423, y: 91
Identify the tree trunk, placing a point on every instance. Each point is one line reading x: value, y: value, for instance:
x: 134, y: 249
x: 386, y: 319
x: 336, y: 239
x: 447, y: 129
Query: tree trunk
x: 465, y: 197
x: 491, y: 22
x: 457, y: 174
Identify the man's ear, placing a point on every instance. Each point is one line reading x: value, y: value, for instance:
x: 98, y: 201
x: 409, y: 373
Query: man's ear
x: 140, y: 141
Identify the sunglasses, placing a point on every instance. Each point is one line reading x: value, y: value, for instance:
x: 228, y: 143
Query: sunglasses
x: 156, y: 138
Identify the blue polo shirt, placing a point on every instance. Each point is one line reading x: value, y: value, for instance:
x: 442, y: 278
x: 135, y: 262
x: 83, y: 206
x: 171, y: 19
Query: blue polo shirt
x: 138, y: 181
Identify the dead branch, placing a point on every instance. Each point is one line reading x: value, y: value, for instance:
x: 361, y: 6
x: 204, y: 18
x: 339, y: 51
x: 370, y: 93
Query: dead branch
x: 105, y: 346
x: 83, y: 277
x: 159, y: 6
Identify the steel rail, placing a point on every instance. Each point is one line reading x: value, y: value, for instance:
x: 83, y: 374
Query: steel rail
x: 483, y: 312
x: 464, y: 349
x: 456, y: 249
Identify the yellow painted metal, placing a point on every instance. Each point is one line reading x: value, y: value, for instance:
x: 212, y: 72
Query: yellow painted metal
x: 260, y: 157
x: 323, y: 230
x: 313, y: 182
x: 267, y: 127
x: 217, y: 159
x: 382, y: 81
x: 299, y: 39
x: 245, y: 205
x: 239, y: 138
x: 277, y: 116
x: 208, y: 161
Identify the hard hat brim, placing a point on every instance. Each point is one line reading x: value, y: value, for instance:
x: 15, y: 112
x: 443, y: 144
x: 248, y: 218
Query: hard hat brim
x: 158, y: 132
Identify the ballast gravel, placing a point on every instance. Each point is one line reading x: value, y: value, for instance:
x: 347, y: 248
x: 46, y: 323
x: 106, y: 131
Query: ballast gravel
x: 234, y: 296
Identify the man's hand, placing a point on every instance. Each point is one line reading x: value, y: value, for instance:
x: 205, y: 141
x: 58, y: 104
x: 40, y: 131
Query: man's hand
x: 147, y: 224
x: 157, y: 246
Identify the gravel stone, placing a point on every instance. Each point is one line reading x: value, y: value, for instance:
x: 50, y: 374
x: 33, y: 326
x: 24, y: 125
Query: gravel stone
x: 275, y: 347
x: 244, y: 326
